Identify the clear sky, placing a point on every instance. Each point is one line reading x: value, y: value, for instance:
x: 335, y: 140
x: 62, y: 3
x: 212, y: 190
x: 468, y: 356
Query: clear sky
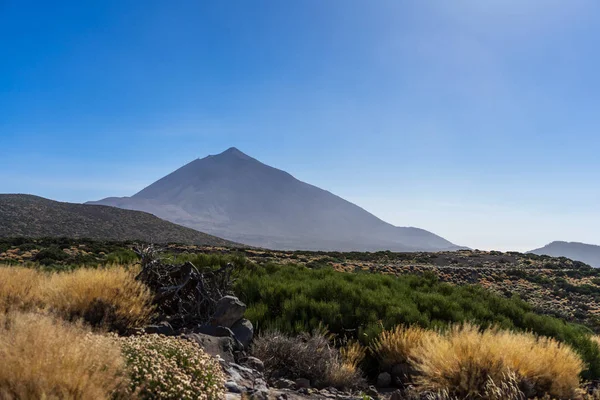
x: 477, y: 120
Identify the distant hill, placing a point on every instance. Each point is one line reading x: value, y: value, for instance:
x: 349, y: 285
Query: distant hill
x: 587, y: 253
x: 33, y: 216
x: 236, y: 197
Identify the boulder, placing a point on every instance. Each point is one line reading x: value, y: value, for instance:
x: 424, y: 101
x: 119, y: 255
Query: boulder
x: 219, y: 331
x: 228, y: 311
x: 212, y: 330
x: 384, y: 380
x: 215, y: 346
x: 232, y: 387
x: 243, y: 331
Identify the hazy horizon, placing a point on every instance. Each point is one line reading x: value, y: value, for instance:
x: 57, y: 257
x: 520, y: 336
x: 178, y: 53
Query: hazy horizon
x: 477, y: 123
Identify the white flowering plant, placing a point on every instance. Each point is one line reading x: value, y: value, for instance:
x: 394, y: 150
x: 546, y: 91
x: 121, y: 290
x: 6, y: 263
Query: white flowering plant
x: 164, y: 367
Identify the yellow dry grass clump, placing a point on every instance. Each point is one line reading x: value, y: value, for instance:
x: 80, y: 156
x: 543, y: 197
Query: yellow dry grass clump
x: 353, y: 353
x: 105, y: 296
x: 467, y: 361
x: 342, y: 371
x: 397, y: 345
x: 109, y: 297
x: 42, y: 357
x: 19, y: 288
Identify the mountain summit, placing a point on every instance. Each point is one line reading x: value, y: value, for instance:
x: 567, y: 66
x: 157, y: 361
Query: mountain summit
x: 235, y: 196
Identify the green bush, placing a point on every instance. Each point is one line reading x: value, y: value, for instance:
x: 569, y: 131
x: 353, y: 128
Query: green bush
x: 202, y: 260
x: 295, y: 299
x: 122, y: 256
x: 51, y: 255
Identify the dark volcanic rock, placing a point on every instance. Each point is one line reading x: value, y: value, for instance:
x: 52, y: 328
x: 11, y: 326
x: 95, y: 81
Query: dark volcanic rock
x: 243, y: 331
x: 229, y: 310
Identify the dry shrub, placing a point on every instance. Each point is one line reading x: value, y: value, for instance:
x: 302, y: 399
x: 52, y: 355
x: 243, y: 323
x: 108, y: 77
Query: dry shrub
x: 353, y: 353
x: 396, y: 346
x: 19, y: 288
x: 467, y: 362
x: 46, y: 358
x: 170, y: 368
x: 309, y: 356
x: 109, y: 297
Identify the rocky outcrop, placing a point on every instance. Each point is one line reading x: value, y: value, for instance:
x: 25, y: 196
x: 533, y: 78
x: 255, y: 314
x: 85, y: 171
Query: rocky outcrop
x: 222, y: 347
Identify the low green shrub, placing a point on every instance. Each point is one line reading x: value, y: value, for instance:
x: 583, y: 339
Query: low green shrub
x: 296, y: 299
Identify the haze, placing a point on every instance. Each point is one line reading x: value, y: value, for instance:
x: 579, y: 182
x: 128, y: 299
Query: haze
x: 476, y: 122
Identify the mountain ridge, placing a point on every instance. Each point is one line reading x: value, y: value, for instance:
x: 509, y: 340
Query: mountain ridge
x: 587, y: 253
x: 34, y: 216
x: 235, y: 196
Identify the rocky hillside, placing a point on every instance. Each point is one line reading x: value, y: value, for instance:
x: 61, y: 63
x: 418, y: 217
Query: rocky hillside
x: 32, y: 216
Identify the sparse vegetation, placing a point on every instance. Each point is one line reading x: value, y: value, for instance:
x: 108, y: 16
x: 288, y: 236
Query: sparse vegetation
x: 397, y: 314
x: 311, y: 356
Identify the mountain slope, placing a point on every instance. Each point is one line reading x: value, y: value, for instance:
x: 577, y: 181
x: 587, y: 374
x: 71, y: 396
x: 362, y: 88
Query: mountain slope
x: 33, y: 216
x: 587, y: 253
x: 239, y: 198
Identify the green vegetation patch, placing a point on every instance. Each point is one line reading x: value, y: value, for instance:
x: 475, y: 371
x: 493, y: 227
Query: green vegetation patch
x: 296, y: 299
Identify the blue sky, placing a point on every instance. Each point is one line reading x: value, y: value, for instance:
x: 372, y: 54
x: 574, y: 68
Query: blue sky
x: 477, y: 120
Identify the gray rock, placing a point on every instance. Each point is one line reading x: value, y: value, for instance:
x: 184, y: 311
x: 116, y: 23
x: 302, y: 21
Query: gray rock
x: 302, y: 383
x: 260, y: 384
x: 219, y: 331
x: 260, y: 395
x: 255, y: 363
x: 232, y: 387
x: 284, y: 384
x: 228, y: 311
x: 212, y: 330
x: 384, y: 380
x: 162, y: 328
x: 243, y: 331
x: 215, y: 346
